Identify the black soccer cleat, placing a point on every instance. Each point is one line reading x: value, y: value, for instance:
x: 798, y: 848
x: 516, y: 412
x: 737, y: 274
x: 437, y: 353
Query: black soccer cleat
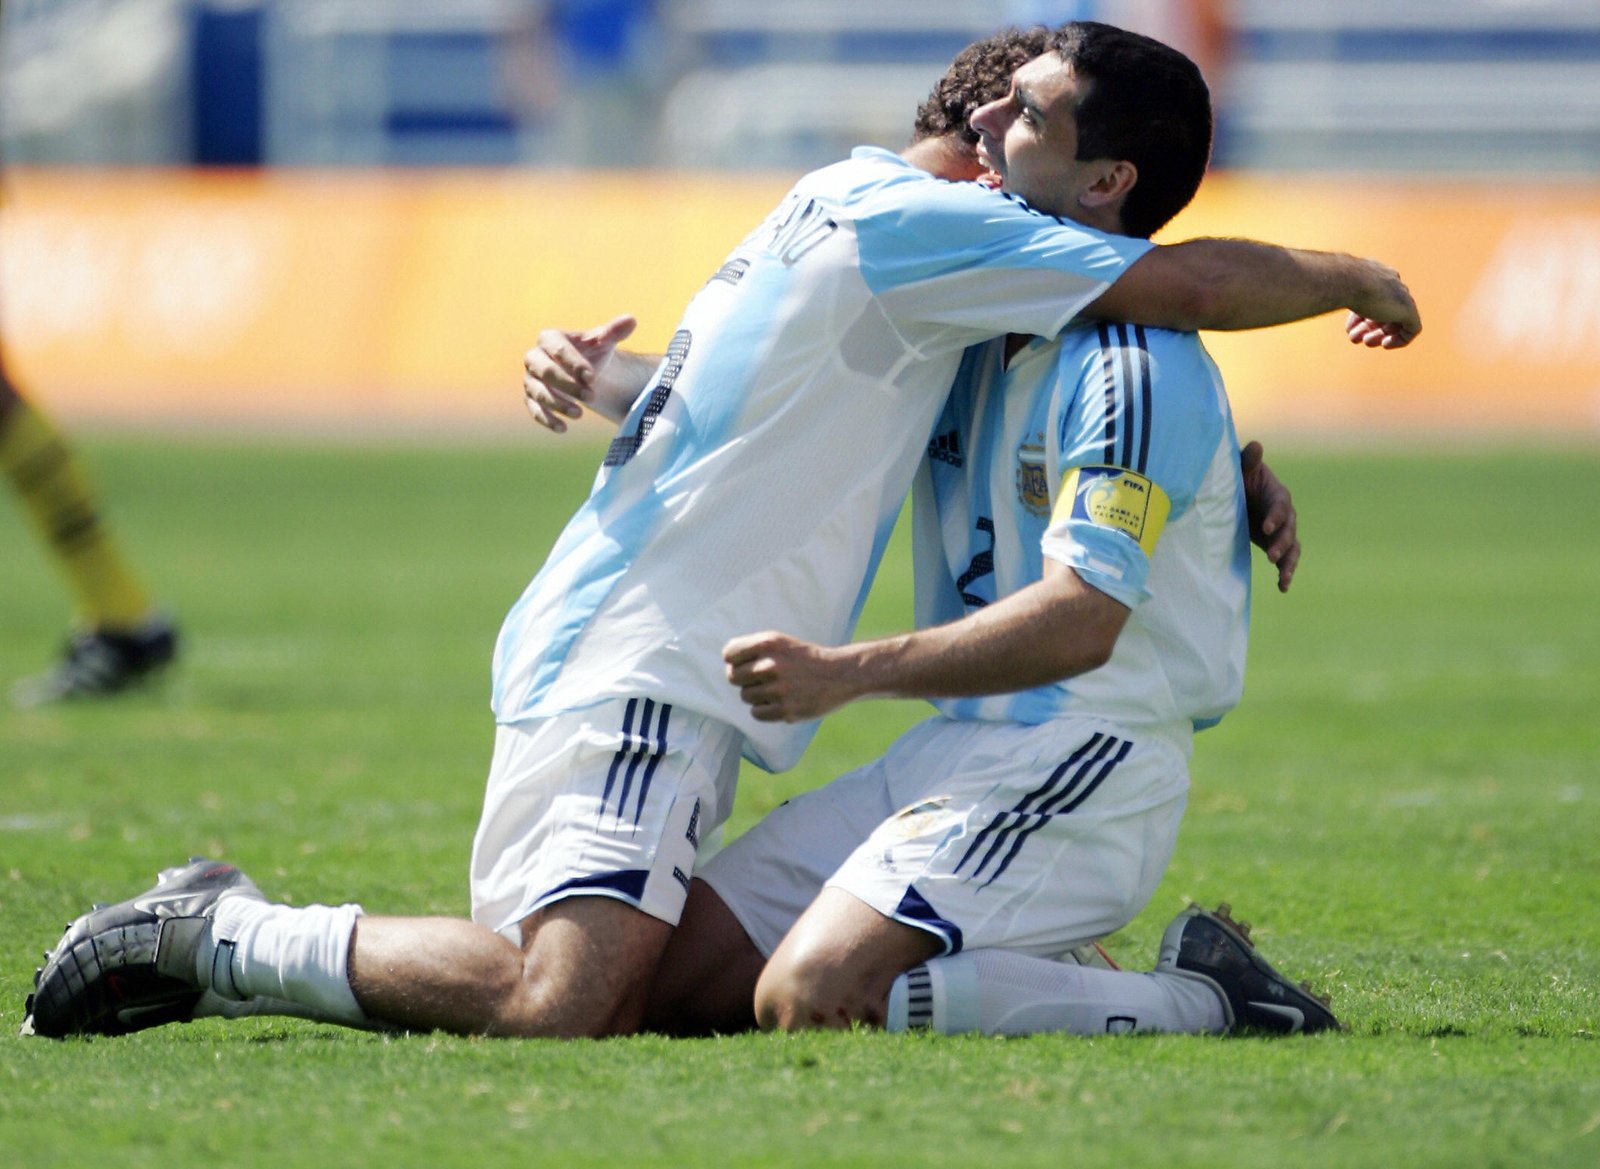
x: 101, y: 662
x: 125, y: 967
x: 1217, y: 950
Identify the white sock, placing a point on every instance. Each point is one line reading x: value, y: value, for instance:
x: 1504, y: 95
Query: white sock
x: 998, y: 992
x: 261, y: 958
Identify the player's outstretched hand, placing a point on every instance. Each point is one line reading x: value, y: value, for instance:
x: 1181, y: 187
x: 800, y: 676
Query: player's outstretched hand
x: 1272, y: 516
x: 559, y: 372
x: 1386, y: 316
x: 785, y: 679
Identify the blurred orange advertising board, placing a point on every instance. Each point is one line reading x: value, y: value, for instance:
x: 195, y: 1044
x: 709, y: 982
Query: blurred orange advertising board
x: 335, y: 295
x: 305, y: 296
x: 1509, y: 288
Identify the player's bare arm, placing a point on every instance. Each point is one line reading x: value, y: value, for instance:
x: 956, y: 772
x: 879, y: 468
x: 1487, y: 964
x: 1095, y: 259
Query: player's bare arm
x: 1220, y: 284
x: 1229, y: 284
x: 1053, y: 629
x: 567, y: 371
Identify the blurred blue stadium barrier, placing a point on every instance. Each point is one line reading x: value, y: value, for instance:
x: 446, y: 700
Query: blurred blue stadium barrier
x: 226, y: 74
x: 1429, y: 85
x: 1434, y: 85
x: 400, y: 83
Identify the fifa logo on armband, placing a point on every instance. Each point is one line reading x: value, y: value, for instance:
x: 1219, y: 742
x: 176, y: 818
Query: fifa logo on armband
x: 1116, y: 499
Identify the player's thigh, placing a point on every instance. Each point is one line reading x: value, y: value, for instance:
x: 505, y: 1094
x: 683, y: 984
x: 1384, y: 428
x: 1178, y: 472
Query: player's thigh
x: 1028, y: 838
x: 588, y: 964
x: 707, y: 978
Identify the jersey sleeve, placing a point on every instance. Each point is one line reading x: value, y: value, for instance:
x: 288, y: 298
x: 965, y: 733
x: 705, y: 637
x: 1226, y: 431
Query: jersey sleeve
x: 959, y: 255
x: 1137, y: 430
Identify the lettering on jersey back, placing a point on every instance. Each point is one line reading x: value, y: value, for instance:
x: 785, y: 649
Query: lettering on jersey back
x: 732, y: 272
x: 625, y: 446
x: 805, y: 226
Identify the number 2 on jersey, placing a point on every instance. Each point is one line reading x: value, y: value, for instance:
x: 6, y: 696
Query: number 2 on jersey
x: 982, y: 565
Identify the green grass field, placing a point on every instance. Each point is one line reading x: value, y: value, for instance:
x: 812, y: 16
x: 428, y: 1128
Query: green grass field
x: 1407, y: 805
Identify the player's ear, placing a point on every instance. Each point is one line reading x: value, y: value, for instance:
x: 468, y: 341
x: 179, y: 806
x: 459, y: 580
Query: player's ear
x: 1114, y: 179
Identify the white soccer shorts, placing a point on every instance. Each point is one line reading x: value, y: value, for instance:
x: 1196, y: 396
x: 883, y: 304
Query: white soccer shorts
x: 988, y: 835
x: 610, y: 801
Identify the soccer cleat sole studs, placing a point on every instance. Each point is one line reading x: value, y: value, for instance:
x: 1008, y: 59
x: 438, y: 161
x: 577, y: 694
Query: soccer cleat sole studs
x: 1225, y: 912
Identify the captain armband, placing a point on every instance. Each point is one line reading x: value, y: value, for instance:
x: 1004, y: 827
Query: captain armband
x: 1111, y: 497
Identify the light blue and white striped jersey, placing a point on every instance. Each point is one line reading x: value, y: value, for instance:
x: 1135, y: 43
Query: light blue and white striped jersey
x: 1111, y: 450
x: 754, y: 484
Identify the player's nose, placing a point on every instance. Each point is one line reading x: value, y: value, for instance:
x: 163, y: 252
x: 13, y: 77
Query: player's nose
x: 988, y: 118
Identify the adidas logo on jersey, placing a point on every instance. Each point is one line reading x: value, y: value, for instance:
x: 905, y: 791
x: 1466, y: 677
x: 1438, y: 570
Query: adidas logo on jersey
x: 947, y: 449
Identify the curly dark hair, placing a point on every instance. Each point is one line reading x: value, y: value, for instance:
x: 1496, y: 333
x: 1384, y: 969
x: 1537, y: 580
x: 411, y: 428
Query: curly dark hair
x: 981, y: 73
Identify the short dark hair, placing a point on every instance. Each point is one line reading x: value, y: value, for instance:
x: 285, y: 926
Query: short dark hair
x: 1144, y: 103
x: 981, y: 73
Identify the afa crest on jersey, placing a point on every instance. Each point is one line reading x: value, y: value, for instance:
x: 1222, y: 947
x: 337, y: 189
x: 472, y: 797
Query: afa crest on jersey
x: 1033, y: 487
